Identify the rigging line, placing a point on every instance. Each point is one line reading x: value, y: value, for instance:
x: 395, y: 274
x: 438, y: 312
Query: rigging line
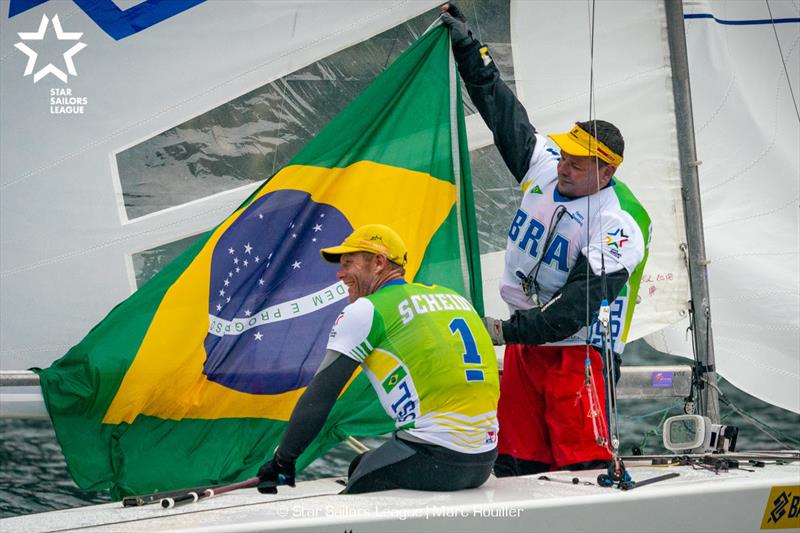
x: 590, y: 377
x: 593, y: 122
x: 588, y: 201
x: 654, y: 431
x: 590, y: 6
x: 756, y: 422
x: 607, y: 342
x: 783, y: 60
x: 675, y: 405
x: 394, y: 43
x: 610, y: 418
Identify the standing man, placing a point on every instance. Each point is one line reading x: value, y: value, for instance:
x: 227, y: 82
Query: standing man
x: 578, y: 237
x: 431, y: 362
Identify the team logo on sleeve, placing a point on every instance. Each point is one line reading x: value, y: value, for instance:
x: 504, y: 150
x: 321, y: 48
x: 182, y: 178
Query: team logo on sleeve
x: 616, y: 238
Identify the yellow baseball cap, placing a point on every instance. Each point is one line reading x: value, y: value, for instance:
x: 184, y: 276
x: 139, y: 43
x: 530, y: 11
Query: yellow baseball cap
x: 372, y: 238
x: 580, y: 142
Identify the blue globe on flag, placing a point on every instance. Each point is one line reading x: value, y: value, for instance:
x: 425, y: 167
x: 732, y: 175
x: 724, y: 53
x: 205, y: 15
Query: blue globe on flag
x: 272, y: 298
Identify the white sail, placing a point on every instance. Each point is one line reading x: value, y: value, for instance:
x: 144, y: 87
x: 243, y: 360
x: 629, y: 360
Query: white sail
x: 68, y: 240
x: 748, y: 133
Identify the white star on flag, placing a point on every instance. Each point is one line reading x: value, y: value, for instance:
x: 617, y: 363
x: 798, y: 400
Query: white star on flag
x: 318, y: 227
x: 258, y: 336
x: 248, y: 248
x: 296, y: 264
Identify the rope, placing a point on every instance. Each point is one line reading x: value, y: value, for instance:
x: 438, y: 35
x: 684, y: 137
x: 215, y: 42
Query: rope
x: 606, y: 343
x: 656, y: 431
x: 590, y: 6
x: 756, y: 422
x: 653, y: 413
x: 589, y: 374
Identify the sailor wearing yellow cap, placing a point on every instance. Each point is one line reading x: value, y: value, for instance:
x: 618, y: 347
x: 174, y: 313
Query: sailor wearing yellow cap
x: 430, y: 361
x: 578, y: 237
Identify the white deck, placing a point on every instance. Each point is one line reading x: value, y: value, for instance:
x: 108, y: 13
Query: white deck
x: 697, y: 500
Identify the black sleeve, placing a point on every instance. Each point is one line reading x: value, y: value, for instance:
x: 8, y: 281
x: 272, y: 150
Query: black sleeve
x: 312, y: 408
x: 565, y: 313
x: 500, y: 109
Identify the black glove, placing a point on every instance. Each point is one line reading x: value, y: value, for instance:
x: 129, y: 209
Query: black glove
x: 274, y: 473
x: 454, y: 19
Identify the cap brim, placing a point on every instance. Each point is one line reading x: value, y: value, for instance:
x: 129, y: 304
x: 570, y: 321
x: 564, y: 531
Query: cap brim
x: 334, y: 253
x: 568, y: 145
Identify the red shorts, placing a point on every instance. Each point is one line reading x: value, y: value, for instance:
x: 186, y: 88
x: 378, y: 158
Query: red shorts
x: 544, y: 409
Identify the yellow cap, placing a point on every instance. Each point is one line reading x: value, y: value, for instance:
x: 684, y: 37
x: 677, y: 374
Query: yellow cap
x: 372, y: 238
x: 580, y: 142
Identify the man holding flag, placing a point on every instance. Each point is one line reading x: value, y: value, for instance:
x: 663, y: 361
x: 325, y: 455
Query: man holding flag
x: 579, y: 237
x: 430, y: 361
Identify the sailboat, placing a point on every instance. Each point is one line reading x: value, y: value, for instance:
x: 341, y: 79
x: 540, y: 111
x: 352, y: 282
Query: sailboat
x: 737, y: 66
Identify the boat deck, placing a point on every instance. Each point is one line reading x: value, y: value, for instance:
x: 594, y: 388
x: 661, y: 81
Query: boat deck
x: 696, y: 500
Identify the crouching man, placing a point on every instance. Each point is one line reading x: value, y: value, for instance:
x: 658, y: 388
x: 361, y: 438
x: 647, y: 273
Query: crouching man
x: 431, y: 362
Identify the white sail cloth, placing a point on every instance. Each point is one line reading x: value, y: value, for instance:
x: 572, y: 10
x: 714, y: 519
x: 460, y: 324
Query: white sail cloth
x: 67, y: 240
x: 748, y: 134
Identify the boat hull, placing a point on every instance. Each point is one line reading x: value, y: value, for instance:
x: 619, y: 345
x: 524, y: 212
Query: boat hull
x: 698, y: 500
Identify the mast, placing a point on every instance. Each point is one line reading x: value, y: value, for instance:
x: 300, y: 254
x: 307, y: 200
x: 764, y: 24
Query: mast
x: 700, y: 305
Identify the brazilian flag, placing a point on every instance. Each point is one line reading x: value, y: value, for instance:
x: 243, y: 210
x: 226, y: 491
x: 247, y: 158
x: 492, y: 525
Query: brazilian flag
x: 191, y: 379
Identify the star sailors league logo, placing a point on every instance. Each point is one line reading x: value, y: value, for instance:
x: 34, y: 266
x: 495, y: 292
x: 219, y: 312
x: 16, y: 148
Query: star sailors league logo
x: 614, y: 241
x: 38, y: 35
x: 616, y: 238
